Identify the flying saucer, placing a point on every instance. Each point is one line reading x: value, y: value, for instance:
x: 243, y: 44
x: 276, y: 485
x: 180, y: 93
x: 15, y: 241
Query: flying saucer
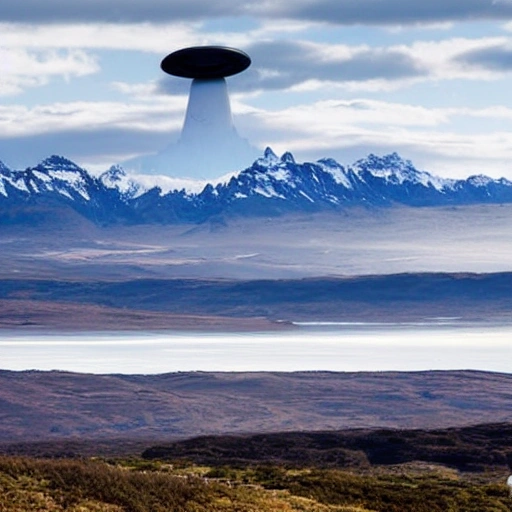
x: 208, y: 145
x: 206, y: 62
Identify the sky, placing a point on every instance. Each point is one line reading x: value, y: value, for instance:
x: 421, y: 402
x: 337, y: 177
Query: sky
x: 329, y: 78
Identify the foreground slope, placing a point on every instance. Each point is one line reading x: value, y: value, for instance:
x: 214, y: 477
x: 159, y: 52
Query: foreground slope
x: 139, y: 486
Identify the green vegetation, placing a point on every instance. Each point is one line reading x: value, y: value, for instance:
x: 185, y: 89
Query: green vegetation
x: 134, y: 485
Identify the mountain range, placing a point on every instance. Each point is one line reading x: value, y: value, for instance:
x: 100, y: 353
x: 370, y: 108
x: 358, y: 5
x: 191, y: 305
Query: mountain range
x: 271, y: 186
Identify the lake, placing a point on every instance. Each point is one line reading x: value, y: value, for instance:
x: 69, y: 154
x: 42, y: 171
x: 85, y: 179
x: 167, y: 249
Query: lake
x: 442, y: 345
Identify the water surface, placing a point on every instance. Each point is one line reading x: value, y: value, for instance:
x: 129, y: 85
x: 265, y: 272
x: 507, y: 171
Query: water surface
x: 336, y: 347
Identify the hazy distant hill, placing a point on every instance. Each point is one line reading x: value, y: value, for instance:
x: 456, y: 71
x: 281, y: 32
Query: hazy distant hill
x: 270, y: 186
x: 386, y: 298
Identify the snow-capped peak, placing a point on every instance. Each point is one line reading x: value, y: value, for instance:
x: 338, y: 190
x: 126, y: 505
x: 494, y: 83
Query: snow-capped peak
x: 59, y: 163
x: 3, y: 168
x: 132, y: 185
x: 269, y: 158
x: 479, y: 180
x: 114, y: 174
x: 390, y: 166
x: 5, y: 174
x: 395, y: 170
x: 60, y: 175
x: 336, y: 170
x: 271, y: 185
x: 287, y: 158
x: 116, y: 177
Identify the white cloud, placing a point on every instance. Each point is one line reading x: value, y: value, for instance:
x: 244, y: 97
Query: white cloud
x: 147, y: 91
x: 134, y: 36
x: 100, y: 134
x: 332, y: 115
x: 347, y: 130
x: 21, y: 68
x: 442, y: 58
x: 163, y: 116
x: 293, y: 63
x: 154, y: 37
x: 492, y: 112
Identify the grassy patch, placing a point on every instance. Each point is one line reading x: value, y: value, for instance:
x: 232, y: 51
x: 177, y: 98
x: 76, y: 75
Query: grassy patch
x: 135, y: 485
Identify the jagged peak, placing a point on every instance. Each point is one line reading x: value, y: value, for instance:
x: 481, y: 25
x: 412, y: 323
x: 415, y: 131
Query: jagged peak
x: 397, y: 170
x: 269, y: 157
x: 114, y: 173
x: 372, y: 180
x: 287, y: 158
x: 117, y: 178
x: 388, y: 165
x: 269, y: 153
x: 4, y: 168
x: 479, y: 180
x: 336, y: 170
x: 56, y: 162
x: 329, y: 162
x: 391, y: 160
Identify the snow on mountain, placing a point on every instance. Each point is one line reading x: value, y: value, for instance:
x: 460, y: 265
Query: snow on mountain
x: 292, y: 185
x: 61, y: 176
x: 337, y: 171
x: 116, y: 178
x: 5, y: 177
x: 396, y: 171
x: 272, y: 185
x: 132, y: 185
x: 484, y: 181
x: 54, y: 176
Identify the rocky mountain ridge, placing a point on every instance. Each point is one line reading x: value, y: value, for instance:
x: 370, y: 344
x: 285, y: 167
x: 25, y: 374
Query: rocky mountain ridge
x: 271, y: 186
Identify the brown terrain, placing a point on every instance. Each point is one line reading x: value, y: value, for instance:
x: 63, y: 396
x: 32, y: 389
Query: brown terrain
x: 30, y: 315
x: 53, y: 406
x: 474, y: 448
x: 407, y: 265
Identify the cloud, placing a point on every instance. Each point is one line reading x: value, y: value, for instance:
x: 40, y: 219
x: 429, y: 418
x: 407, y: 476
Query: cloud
x: 20, y: 68
x: 114, y: 11
x: 492, y: 58
x: 144, y: 37
x: 280, y: 65
x: 109, y: 145
x: 92, y: 133
x: 277, y: 64
x: 342, y: 12
x: 288, y: 65
x: 96, y: 135
x: 431, y: 137
x: 398, y: 12
x: 157, y: 116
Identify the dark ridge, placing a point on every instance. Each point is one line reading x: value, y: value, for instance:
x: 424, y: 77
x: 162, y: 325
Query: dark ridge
x: 377, y: 297
x: 474, y: 448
